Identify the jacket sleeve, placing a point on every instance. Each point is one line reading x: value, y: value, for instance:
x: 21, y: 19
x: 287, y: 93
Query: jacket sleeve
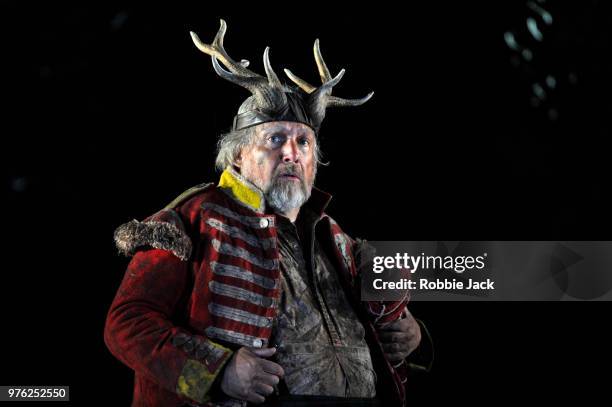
x: 140, y: 330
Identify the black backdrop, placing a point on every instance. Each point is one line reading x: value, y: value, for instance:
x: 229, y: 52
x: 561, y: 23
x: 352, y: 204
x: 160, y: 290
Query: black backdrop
x: 118, y: 113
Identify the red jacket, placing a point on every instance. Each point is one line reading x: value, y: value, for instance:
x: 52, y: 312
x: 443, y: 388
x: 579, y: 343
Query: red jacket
x: 204, y: 281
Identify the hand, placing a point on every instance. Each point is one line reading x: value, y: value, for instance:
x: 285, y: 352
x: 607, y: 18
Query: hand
x: 400, y: 338
x: 249, y: 377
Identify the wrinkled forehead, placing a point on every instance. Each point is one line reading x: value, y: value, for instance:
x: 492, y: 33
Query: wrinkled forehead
x: 285, y: 127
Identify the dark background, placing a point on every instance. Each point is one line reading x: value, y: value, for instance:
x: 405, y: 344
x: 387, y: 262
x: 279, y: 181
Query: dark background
x: 110, y: 112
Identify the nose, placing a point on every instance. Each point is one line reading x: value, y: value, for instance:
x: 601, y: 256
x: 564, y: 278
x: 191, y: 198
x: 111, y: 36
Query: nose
x: 290, y: 152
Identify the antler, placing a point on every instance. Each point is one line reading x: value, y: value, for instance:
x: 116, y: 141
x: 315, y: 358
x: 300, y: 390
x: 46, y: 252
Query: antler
x: 268, y: 91
x: 321, y: 97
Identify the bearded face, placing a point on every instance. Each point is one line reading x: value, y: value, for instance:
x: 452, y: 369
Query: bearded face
x: 281, y: 162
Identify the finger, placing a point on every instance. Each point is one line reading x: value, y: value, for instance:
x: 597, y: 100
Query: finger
x: 263, y: 352
x: 271, y: 367
x: 393, y: 326
x: 395, y: 347
x: 395, y: 357
x: 394, y: 336
x: 267, y: 378
x: 399, y: 325
x: 255, y: 398
x: 262, y: 388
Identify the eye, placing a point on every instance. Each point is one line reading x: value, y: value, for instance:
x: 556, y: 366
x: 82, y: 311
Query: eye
x: 304, y: 141
x: 276, y: 138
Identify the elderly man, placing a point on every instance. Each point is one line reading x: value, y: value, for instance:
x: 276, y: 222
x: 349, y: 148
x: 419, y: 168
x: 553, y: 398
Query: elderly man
x: 246, y: 290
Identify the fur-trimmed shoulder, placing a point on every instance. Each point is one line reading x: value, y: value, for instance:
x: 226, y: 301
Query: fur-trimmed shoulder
x: 134, y: 235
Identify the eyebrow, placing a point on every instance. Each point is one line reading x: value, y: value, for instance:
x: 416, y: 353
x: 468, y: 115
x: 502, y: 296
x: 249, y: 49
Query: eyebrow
x: 286, y: 129
x: 276, y: 128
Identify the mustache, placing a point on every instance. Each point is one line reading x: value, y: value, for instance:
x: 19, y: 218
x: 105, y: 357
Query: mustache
x: 289, y: 169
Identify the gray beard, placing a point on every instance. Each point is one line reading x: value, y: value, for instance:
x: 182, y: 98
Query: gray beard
x: 284, y: 195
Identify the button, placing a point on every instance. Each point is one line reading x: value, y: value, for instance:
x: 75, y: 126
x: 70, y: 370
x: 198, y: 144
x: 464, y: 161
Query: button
x: 263, y: 223
x: 267, y: 302
x: 257, y: 343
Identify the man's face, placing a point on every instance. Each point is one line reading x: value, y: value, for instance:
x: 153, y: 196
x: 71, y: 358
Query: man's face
x: 281, y: 163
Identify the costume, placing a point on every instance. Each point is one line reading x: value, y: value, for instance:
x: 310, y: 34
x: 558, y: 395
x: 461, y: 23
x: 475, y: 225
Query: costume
x: 204, y: 280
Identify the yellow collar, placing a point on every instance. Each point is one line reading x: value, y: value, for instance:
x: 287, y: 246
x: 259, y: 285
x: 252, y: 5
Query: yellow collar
x: 243, y: 191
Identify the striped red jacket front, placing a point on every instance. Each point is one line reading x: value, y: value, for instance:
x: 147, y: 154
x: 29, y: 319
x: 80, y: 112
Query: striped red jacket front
x: 204, y: 280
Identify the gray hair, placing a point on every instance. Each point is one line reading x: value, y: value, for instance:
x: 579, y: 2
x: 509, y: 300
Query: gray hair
x: 231, y: 144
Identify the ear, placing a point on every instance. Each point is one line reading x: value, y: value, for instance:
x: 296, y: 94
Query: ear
x: 238, y: 161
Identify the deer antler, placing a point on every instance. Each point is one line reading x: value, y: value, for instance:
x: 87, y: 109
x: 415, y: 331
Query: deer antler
x: 321, y: 97
x: 268, y: 91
